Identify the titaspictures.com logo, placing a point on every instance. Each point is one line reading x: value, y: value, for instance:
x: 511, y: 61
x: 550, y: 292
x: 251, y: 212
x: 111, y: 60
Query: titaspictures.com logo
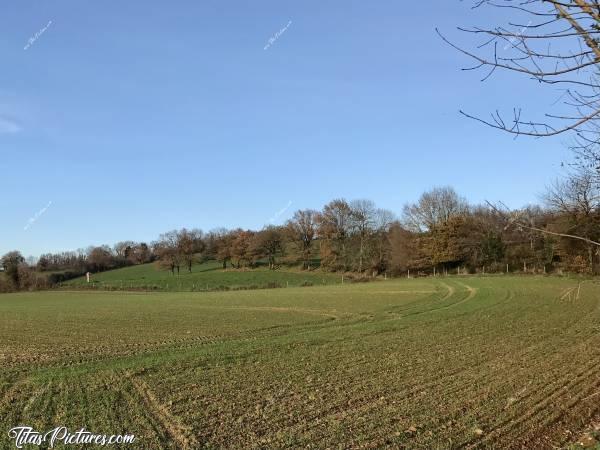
x: 24, y: 435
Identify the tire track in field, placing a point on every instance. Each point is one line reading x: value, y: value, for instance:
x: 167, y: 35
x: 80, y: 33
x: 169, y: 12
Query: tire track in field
x: 180, y: 434
x: 140, y: 348
x: 184, y: 342
x: 406, y: 312
x: 472, y: 292
x: 566, y: 292
x: 450, y: 292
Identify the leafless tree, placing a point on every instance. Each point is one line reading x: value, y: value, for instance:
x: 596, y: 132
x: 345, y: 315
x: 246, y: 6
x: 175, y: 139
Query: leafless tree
x: 166, y: 249
x: 434, y: 208
x: 123, y: 248
x: 383, y: 220
x: 301, y: 230
x: 362, y: 216
x: 553, y: 43
x: 334, y: 228
x: 578, y: 198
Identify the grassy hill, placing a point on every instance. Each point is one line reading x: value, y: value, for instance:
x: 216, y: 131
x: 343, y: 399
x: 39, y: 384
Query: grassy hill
x: 207, y: 276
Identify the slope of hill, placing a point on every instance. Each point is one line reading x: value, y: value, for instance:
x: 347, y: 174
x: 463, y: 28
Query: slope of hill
x: 206, y: 276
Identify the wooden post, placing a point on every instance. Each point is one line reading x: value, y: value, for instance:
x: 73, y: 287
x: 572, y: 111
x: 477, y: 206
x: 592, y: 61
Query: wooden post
x: 342, y: 279
x: 506, y: 268
x: 524, y: 266
x: 434, y: 271
x: 408, y: 273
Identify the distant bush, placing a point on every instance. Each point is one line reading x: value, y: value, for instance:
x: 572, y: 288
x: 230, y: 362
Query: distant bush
x: 5, y: 285
x: 60, y: 277
x: 222, y: 287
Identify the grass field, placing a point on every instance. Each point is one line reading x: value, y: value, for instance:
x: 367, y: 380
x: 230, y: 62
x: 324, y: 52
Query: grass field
x: 429, y: 363
x: 207, y: 276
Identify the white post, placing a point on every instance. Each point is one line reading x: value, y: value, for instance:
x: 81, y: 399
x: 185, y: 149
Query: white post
x: 87, y: 276
x: 408, y: 273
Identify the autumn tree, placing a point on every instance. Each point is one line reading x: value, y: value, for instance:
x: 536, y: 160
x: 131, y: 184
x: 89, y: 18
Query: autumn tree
x: 267, y: 243
x: 140, y: 254
x: 407, y: 250
x: 167, y: 252
x: 221, y: 244
x: 100, y: 259
x: 241, y: 253
x: 189, y: 244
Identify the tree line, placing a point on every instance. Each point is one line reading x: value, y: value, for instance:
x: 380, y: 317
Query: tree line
x: 439, y: 233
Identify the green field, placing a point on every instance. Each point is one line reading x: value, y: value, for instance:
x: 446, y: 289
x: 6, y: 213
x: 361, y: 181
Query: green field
x: 429, y: 363
x: 204, y: 277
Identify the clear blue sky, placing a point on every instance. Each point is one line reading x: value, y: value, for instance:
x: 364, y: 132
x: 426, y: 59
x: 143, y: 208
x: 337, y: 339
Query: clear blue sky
x: 137, y: 117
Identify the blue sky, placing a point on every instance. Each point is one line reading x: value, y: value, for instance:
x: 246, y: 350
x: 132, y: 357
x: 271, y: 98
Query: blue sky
x: 134, y: 118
